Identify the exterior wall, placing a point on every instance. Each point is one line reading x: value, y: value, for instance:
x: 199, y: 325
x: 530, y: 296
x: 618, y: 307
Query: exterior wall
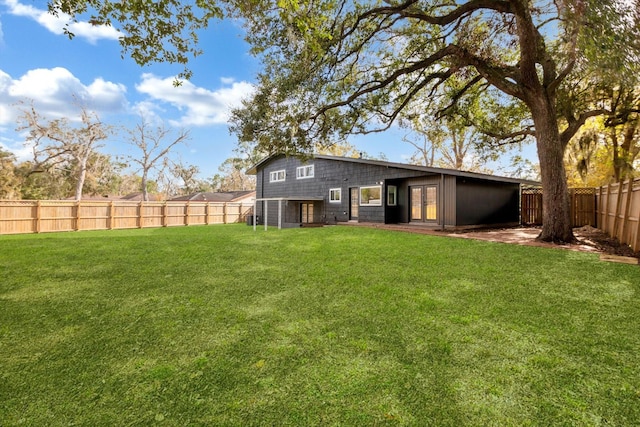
x: 450, y: 201
x: 446, y: 186
x: 462, y: 201
x: 328, y: 174
x: 487, y: 202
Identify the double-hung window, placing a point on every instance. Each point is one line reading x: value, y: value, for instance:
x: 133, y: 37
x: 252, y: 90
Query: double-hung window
x: 304, y: 172
x: 335, y: 195
x: 277, y: 176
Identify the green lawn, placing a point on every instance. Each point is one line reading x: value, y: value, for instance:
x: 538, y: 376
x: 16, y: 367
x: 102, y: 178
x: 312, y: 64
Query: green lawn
x: 220, y: 325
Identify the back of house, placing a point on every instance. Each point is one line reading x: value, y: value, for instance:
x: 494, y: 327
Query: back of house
x: 294, y: 192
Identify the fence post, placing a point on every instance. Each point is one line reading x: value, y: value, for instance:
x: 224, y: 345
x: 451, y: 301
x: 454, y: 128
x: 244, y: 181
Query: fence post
x: 206, y: 213
x: 111, y: 215
x: 616, y: 219
x: 636, y: 246
x: 76, y: 226
x: 224, y: 213
x: 164, y: 214
x: 599, y: 217
x: 38, y: 213
x: 607, y: 219
x: 625, y: 217
x: 187, y: 213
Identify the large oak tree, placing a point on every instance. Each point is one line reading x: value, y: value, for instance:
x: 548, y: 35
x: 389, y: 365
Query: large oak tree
x: 338, y: 67
x: 361, y: 66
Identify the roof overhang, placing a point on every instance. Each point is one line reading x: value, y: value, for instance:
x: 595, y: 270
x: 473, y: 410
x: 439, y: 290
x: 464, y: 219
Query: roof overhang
x: 426, y: 169
x: 290, y: 199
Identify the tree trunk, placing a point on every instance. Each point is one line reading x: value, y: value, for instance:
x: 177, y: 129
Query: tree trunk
x: 81, y: 178
x: 556, y: 218
x: 616, y: 159
x: 145, y: 193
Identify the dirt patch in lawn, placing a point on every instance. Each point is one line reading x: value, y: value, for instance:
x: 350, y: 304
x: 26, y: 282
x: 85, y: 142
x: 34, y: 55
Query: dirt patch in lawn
x: 590, y: 239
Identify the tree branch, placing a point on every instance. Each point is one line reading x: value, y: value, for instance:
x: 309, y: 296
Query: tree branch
x: 407, y: 10
x: 576, y: 123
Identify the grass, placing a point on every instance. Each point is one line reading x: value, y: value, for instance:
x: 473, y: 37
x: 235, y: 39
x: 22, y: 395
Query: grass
x: 221, y: 325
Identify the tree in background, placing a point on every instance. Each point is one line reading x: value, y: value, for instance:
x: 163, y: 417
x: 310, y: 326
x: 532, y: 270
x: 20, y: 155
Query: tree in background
x: 131, y: 183
x: 232, y: 176
x: 607, y: 149
x: 446, y: 144
x: 622, y: 131
x: 58, y: 145
x: 54, y: 183
x: 426, y: 143
x: 451, y: 138
x: 154, y: 145
x: 9, y: 181
x: 105, y: 176
x: 188, y: 175
x: 340, y: 148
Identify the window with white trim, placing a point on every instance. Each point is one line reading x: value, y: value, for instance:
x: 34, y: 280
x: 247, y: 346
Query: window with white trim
x: 335, y: 195
x: 371, y: 196
x: 277, y: 176
x: 392, y: 195
x: 304, y: 172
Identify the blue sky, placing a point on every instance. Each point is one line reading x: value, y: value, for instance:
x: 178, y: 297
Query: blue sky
x: 38, y: 62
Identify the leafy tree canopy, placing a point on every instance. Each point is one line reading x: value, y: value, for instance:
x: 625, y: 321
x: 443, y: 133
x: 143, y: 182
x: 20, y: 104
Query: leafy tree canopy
x: 337, y: 67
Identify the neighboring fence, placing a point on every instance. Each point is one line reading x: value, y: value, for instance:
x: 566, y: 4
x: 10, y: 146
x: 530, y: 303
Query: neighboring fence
x: 41, y: 216
x: 619, y: 211
x: 583, y: 206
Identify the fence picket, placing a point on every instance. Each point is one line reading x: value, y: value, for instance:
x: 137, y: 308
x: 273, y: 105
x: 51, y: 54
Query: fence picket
x: 36, y: 216
x: 582, y: 205
x: 622, y: 219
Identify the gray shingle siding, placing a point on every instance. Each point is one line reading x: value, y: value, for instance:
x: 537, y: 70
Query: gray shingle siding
x: 328, y: 174
x: 487, y: 203
x: 463, y: 198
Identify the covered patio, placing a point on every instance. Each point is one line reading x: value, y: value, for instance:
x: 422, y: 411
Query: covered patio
x: 288, y: 212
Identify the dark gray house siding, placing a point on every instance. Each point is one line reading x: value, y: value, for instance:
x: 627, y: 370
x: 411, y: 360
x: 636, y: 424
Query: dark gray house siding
x: 481, y: 202
x: 431, y: 196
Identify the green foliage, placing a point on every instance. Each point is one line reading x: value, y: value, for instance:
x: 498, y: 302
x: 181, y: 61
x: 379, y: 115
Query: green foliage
x: 233, y: 177
x: 62, y: 149
x: 9, y: 180
x: 151, y: 31
x: 220, y: 325
x: 336, y: 68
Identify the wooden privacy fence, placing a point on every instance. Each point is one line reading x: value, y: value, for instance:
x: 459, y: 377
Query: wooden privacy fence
x: 583, y: 206
x: 619, y: 211
x: 42, y: 216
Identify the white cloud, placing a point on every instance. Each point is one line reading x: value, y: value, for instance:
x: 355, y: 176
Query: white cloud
x: 57, y: 93
x: 56, y: 24
x: 21, y: 151
x: 200, y: 107
x: 227, y: 80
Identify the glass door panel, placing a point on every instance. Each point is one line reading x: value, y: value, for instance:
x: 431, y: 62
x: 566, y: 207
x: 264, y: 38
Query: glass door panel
x: 432, y: 203
x: 416, y: 204
x: 307, y: 213
x: 354, y: 199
